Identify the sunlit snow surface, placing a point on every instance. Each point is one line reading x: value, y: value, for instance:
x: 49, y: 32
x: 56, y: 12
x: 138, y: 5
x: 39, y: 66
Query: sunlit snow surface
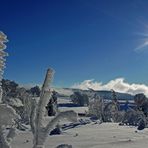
x: 106, y: 135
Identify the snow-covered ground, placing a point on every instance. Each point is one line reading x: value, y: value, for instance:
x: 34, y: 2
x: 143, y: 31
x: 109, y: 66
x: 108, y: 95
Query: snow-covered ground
x: 106, y: 135
x: 76, y: 109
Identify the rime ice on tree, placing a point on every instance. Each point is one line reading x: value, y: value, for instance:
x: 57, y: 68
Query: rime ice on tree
x: 39, y: 130
x: 3, y: 54
x: 7, y: 113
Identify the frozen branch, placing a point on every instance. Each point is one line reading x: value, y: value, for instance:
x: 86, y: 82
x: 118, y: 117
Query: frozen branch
x: 69, y: 115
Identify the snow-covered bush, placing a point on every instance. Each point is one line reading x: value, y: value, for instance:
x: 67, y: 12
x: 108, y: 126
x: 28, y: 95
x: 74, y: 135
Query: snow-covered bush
x: 111, y: 112
x: 106, y: 112
x: 96, y: 107
x: 39, y: 130
x: 9, y: 89
x: 139, y: 115
x: 133, y: 117
x: 35, y: 91
x: 18, y: 98
x: 141, y: 102
x: 79, y: 98
x: 7, y: 119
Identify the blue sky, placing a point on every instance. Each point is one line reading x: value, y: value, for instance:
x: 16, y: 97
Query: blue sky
x: 80, y: 39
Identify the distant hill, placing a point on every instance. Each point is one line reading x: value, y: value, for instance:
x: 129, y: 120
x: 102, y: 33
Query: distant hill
x: 102, y: 93
x: 120, y: 96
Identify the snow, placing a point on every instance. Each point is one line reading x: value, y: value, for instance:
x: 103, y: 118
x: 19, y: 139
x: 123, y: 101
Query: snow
x: 106, y: 135
x: 76, y: 109
x: 65, y: 92
x: 68, y: 101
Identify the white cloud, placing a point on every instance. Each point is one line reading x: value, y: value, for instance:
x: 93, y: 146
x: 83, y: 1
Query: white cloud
x: 119, y: 85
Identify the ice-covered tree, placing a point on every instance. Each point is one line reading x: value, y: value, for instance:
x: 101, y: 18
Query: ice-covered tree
x: 79, y: 98
x: 7, y: 119
x: 3, y: 54
x: 111, y: 109
x: 141, y: 102
x: 39, y: 130
x: 96, y: 107
x: 7, y: 113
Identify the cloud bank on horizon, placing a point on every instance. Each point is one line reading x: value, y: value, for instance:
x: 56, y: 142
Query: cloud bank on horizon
x: 118, y: 84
